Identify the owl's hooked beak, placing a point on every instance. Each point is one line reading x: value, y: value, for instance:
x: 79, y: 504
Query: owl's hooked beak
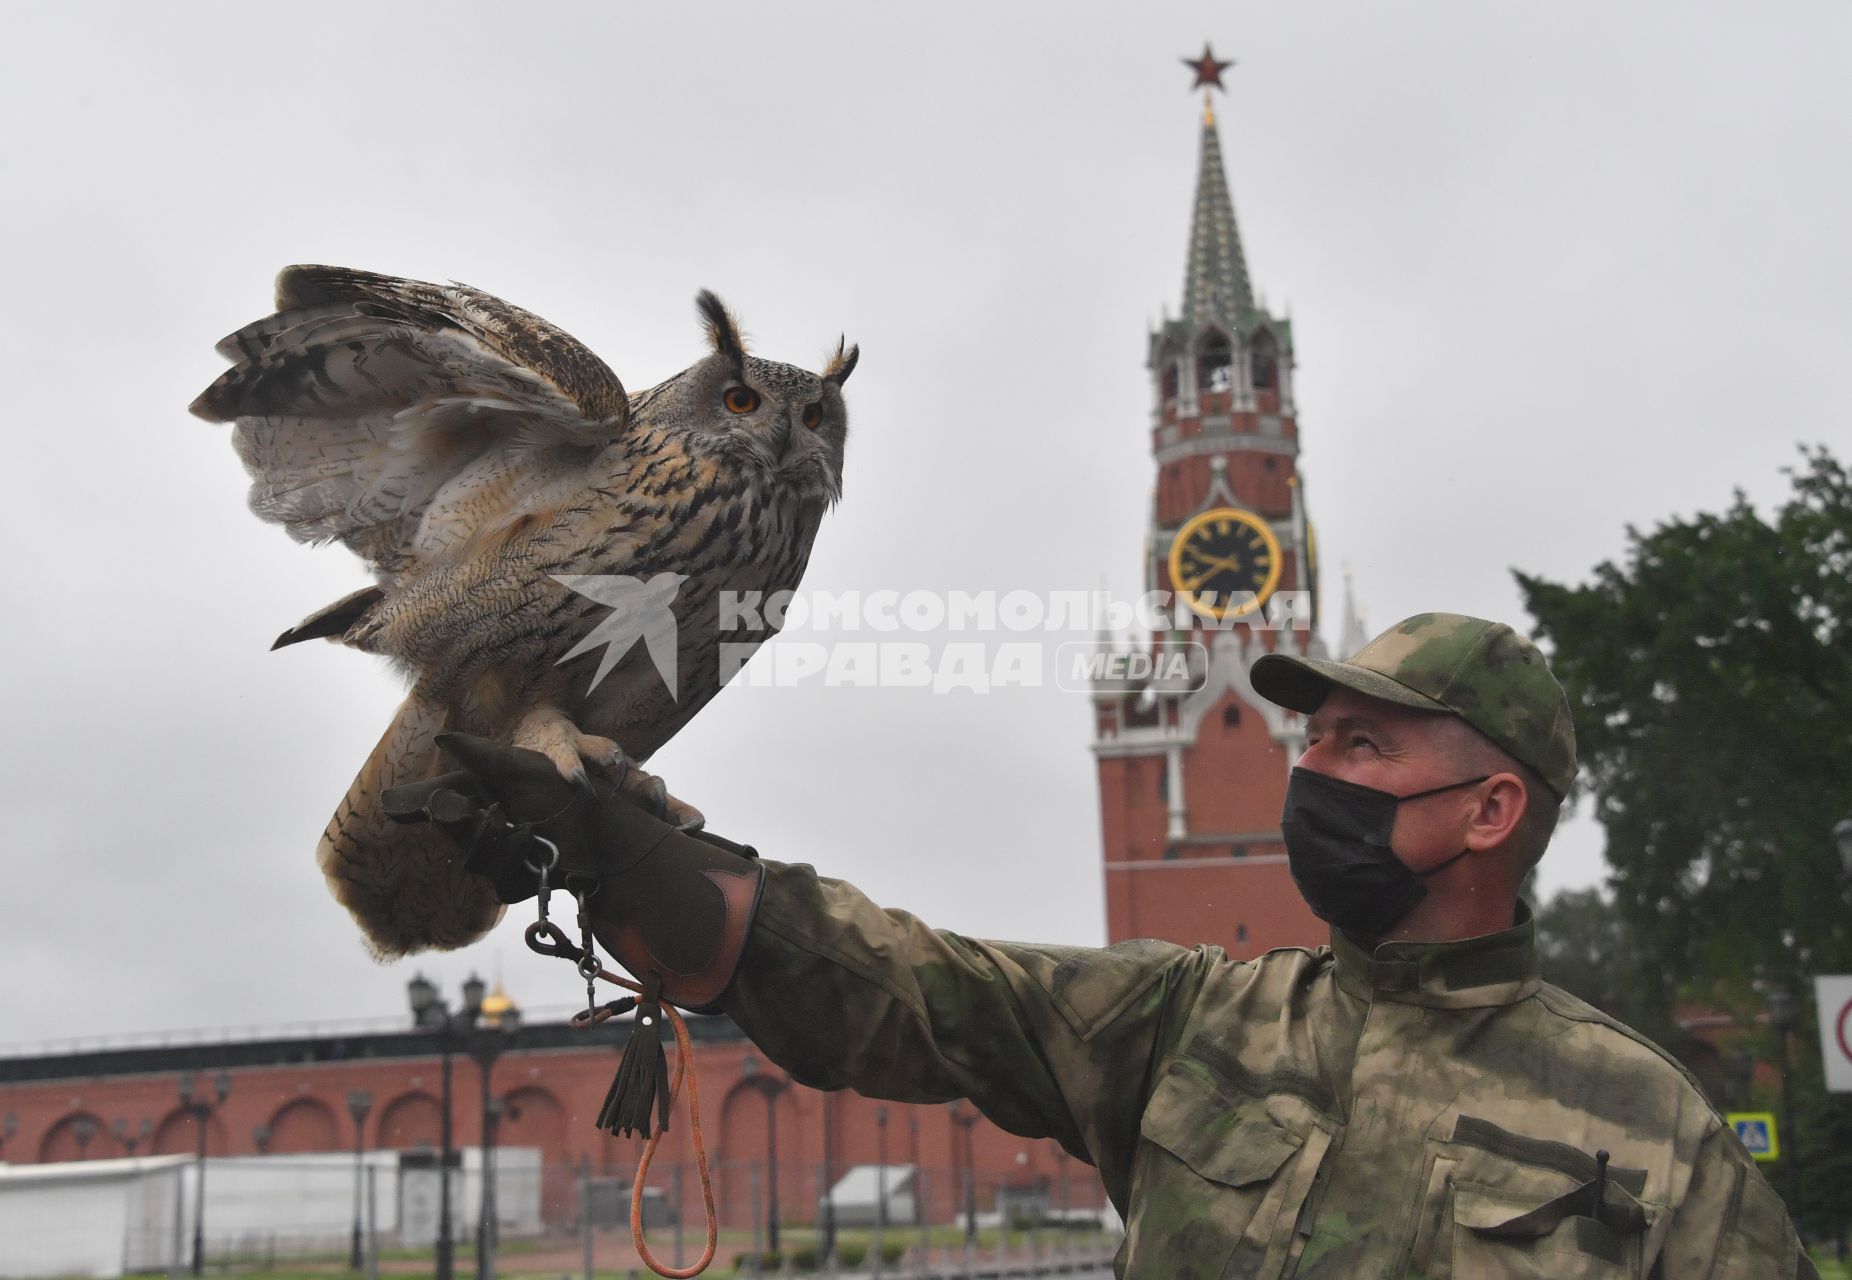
x: 781, y: 438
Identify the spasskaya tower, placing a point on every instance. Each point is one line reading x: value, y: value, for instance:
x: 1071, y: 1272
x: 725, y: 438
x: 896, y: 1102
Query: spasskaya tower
x: 1192, y: 773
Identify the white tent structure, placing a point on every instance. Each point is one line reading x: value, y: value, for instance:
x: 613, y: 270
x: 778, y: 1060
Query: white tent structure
x: 105, y: 1218
x: 90, y: 1217
x: 856, y: 1197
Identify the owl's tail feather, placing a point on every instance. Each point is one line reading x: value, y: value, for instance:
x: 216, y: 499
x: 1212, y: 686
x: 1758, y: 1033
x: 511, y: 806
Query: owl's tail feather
x: 405, y: 885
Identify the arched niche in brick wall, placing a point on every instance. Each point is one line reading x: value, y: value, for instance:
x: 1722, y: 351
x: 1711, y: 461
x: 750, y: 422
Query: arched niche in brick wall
x: 178, y: 1134
x: 739, y: 1156
x: 409, y: 1121
x: 60, y: 1141
x: 532, y: 1117
x: 305, y: 1124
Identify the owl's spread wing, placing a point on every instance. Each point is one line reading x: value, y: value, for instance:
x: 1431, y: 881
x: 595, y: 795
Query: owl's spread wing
x: 369, y: 408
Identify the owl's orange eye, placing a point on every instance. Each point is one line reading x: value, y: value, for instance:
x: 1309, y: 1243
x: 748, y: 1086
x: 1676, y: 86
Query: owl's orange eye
x: 740, y: 399
x: 813, y: 416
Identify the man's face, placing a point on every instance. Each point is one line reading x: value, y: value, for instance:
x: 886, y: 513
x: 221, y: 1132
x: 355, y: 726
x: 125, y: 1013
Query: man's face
x: 1402, y: 751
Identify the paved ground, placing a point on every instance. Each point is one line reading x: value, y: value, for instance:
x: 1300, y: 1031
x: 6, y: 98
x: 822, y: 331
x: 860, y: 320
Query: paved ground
x: 613, y: 1253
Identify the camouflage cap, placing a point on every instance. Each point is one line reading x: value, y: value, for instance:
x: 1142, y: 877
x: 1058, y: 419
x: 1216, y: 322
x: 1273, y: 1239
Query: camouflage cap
x: 1483, y: 672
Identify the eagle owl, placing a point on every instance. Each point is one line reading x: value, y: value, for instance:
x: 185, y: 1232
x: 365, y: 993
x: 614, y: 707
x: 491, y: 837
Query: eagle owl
x: 475, y: 456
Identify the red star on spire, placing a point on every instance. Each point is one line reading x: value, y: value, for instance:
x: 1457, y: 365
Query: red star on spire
x: 1208, y: 68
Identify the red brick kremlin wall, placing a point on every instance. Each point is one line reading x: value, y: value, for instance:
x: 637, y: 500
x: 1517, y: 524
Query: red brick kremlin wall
x: 298, y: 1091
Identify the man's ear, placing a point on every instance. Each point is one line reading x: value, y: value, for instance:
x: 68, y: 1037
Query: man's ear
x: 1503, y: 802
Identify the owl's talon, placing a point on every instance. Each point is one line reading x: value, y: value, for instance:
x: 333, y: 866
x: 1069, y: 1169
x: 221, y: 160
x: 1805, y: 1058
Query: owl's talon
x: 657, y: 797
x: 605, y: 755
x: 617, y: 767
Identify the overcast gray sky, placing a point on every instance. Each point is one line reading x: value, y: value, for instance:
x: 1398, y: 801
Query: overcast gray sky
x: 1553, y: 269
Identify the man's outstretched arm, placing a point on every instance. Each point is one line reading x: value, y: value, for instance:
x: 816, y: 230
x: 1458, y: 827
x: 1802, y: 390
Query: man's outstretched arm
x: 1047, y: 1041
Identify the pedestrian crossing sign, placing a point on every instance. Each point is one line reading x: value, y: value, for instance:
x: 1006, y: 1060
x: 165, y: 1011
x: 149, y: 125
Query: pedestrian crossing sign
x: 1756, y: 1129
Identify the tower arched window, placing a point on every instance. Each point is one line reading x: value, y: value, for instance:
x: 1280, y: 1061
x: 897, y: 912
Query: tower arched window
x: 1266, y: 362
x: 1214, y: 367
x: 1168, y: 383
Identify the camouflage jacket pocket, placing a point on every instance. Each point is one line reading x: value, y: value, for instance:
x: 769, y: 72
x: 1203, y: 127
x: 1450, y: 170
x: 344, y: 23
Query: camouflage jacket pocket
x: 1558, y: 1239
x: 1518, y: 1208
x: 1218, y: 1188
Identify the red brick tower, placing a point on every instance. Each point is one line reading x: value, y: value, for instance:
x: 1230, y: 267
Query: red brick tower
x: 1192, y: 773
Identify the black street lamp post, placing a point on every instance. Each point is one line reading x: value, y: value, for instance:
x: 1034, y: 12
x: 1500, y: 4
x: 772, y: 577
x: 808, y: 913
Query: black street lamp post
x: 485, y: 1047
x: 260, y: 1138
x: 359, y: 1104
x: 829, y: 1189
x: 83, y: 1129
x: 9, y: 1125
x: 967, y: 1121
x: 1783, y: 1016
x: 919, y: 1176
x: 431, y: 1013
x: 195, y: 1103
x: 769, y: 1087
x: 880, y: 1185
x: 1061, y: 1158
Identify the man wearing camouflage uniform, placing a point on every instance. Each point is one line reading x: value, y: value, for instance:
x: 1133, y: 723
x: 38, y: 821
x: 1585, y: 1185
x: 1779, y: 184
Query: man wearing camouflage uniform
x: 1410, y: 1101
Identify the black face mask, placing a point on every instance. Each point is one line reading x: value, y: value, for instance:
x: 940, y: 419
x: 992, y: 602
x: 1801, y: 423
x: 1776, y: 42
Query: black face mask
x: 1337, y: 844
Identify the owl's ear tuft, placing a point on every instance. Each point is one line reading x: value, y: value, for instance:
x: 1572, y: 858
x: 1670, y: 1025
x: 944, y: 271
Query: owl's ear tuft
x: 723, y: 332
x: 842, y: 364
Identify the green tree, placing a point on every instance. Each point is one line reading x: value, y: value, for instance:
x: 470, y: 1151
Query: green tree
x: 1711, y: 679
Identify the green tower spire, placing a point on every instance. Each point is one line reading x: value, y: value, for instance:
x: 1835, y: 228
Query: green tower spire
x: 1215, y: 282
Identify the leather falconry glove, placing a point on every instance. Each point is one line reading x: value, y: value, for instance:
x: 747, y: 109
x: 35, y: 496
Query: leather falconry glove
x: 665, y: 902
x: 672, y: 906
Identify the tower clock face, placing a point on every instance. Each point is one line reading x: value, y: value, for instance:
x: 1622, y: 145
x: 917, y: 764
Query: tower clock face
x: 1223, y: 554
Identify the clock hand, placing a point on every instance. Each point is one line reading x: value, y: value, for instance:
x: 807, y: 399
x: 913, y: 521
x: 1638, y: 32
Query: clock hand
x: 1220, y: 562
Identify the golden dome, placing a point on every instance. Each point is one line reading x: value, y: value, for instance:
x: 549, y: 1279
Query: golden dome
x: 496, y: 1005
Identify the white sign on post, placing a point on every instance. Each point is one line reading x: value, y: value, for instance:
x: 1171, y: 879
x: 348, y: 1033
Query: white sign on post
x: 1833, y: 995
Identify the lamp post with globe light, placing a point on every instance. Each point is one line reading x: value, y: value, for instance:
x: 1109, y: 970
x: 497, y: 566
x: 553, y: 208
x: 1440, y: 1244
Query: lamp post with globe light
x: 83, y: 1129
x: 430, y: 1012
x: 195, y: 1103
x: 500, y: 1019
